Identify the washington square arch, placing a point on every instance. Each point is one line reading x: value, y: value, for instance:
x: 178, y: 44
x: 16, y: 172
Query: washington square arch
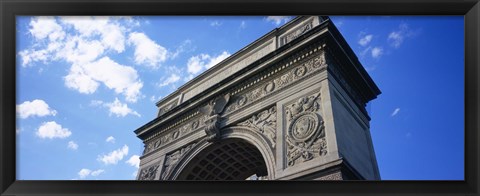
x: 289, y: 106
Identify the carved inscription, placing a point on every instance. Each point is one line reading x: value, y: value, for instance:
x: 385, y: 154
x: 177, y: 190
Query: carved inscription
x: 264, y: 123
x: 305, y: 134
x: 149, y: 173
x: 175, y: 134
x: 300, y: 71
x: 296, y: 33
x: 172, y: 159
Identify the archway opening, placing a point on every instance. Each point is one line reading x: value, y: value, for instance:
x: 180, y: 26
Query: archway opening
x: 229, y: 159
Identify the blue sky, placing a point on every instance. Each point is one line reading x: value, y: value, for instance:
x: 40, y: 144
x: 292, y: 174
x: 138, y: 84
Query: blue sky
x: 84, y: 84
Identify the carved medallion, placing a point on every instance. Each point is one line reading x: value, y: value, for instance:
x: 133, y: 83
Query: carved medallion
x: 300, y: 71
x: 242, y: 100
x: 269, y: 87
x: 304, y: 126
x: 195, y: 124
x: 305, y: 135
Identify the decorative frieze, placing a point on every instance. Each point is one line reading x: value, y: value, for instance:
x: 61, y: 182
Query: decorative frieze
x: 303, y: 69
x: 149, y: 173
x: 264, y: 123
x: 172, y: 159
x: 175, y: 134
x: 305, y: 134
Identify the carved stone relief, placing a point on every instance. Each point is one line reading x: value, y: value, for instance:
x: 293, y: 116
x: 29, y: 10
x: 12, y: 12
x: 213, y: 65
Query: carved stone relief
x: 175, y: 134
x: 296, y: 33
x: 305, y: 135
x: 275, y: 84
x: 168, y: 107
x: 149, y: 173
x: 172, y: 159
x: 333, y: 176
x: 264, y: 123
x: 212, y: 111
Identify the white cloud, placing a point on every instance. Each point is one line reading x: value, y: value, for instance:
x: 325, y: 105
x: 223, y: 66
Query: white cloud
x: 122, y: 79
x: 377, y: 52
x: 134, y: 161
x: 184, y: 46
x: 364, y: 41
x: 52, y: 130
x: 112, y: 34
x: 215, y: 23
x: 396, y: 38
x: 110, y: 139
x: 134, y: 174
x: 87, y: 39
x: 46, y: 26
x: 36, y: 107
x: 97, y: 172
x: 153, y: 98
x: 29, y: 56
x: 171, y: 79
x: 96, y: 103
x: 114, y: 156
x: 120, y: 109
x: 204, y: 61
x: 395, y: 112
x: 147, y: 51
x: 83, y: 42
x: 83, y: 173
x: 72, y: 145
x: 277, y: 20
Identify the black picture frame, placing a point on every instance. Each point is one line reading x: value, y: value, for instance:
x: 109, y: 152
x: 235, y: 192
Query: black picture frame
x: 11, y: 8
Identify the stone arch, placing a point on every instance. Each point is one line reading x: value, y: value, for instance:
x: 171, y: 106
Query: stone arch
x: 238, y: 132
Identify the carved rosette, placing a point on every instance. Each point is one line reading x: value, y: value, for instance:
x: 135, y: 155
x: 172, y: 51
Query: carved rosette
x: 149, y: 173
x: 264, y: 123
x: 172, y: 159
x: 305, y: 136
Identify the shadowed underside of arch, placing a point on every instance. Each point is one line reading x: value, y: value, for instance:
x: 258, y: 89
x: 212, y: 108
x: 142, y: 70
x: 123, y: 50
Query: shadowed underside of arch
x: 230, y: 159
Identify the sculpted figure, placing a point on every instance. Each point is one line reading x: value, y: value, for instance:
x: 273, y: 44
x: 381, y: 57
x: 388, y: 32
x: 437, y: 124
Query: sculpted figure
x: 212, y: 111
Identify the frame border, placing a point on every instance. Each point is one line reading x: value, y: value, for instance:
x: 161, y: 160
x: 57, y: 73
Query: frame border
x: 11, y: 8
